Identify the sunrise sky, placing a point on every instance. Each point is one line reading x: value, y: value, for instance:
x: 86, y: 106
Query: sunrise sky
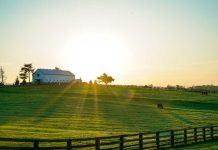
x: 139, y: 42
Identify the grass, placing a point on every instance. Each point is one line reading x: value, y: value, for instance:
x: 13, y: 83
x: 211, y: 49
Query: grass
x: 210, y: 145
x: 86, y: 111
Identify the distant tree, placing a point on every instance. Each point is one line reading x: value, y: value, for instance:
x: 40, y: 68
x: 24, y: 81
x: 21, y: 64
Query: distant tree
x: 2, y: 76
x: 23, y: 76
x: 145, y: 86
x: 78, y: 81
x: 148, y: 86
x: 27, y: 69
x: 90, y: 82
x: 180, y: 87
x: 95, y: 82
x: 57, y: 68
x: 105, y: 78
x: 23, y: 82
x: 84, y: 83
x: 171, y: 87
x: 17, y: 82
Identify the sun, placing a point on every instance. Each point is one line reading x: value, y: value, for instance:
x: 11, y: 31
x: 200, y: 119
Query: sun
x: 90, y: 54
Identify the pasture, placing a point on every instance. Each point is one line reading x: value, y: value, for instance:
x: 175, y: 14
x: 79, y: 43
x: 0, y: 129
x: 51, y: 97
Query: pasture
x: 53, y: 112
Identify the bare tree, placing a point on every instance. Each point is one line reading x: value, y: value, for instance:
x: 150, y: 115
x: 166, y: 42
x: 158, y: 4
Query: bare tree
x: 2, y: 76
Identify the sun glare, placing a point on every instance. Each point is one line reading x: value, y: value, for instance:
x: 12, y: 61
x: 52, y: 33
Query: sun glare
x: 91, y: 54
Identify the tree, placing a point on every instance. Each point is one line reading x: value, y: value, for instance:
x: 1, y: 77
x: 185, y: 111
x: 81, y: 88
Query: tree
x: 90, y: 82
x: 171, y: 87
x: 2, y: 76
x: 23, y: 76
x: 17, y: 82
x: 57, y: 68
x: 95, y: 82
x: 105, y: 78
x: 27, y: 69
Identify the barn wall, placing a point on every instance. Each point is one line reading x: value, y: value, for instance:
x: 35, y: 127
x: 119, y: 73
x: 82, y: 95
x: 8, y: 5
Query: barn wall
x: 35, y: 77
x: 57, y: 79
x: 52, y: 78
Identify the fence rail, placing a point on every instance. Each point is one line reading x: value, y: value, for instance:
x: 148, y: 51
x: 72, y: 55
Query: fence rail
x: 146, y: 140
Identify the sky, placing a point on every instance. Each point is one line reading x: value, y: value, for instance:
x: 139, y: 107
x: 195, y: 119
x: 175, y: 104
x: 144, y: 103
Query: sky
x: 140, y: 42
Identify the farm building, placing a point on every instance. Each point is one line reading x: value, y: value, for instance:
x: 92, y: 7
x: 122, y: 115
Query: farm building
x: 52, y: 76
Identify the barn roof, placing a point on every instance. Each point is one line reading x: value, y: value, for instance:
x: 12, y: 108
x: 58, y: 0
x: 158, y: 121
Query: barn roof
x: 55, y: 72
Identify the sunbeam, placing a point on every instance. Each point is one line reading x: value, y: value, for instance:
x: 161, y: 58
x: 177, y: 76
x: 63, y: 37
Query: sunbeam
x: 51, y: 101
x: 80, y: 106
x: 97, y: 116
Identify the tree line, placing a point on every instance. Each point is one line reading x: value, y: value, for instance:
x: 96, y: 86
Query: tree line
x: 199, y: 88
x: 27, y: 70
x: 25, y: 73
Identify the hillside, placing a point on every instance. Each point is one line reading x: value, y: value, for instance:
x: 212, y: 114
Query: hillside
x: 83, y: 111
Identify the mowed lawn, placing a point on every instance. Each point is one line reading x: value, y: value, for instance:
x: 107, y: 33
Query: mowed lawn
x: 86, y: 111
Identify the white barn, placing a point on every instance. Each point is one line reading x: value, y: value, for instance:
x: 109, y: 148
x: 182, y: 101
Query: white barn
x: 52, y: 76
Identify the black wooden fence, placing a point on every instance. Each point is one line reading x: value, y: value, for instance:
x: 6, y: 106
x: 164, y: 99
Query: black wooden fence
x: 147, y: 140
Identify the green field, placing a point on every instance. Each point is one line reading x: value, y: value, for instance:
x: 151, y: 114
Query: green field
x: 210, y: 145
x: 86, y: 111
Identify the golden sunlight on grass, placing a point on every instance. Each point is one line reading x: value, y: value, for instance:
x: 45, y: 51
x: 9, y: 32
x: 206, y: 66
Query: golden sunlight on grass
x: 52, y: 100
x: 80, y: 105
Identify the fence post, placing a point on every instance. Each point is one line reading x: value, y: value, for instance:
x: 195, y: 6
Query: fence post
x: 204, y: 134
x: 185, y: 136
x: 158, y: 140
x: 140, y: 141
x: 36, y: 144
x: 121, y: 142
x: 69, y: 144
x: 195, y: 135
x: 211, y: 132
x: 97, y: 144
x: 172, y: 138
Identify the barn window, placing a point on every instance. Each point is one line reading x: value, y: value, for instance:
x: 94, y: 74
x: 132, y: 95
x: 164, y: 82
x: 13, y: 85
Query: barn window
x: 37, y: 75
